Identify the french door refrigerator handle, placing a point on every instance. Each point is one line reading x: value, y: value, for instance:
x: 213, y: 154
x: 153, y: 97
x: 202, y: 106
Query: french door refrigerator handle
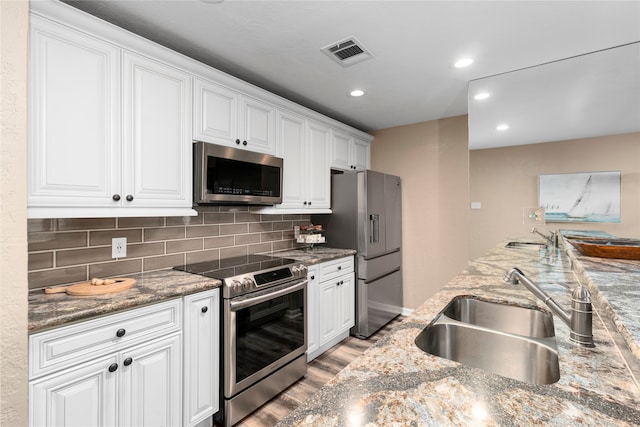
x: 374, y: 222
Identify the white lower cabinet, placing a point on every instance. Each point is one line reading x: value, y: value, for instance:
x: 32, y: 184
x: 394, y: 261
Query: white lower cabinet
x: 201, y: 356
x: 331, y: 304
x: 150, y: 391
x: 135, y: 371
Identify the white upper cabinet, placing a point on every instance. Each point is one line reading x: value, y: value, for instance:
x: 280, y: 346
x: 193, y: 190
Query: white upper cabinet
x: 157, y: 134
x: 74, y: 134
x: 319, y: 185
x: 112, y: 119
x: 227, y: 117
x: 304, y: 146
x: 110, y: 131
x: 348, y: 152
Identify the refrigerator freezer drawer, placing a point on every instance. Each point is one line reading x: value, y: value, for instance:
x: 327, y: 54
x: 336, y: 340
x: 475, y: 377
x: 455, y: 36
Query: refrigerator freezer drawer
x: 379, y: 302
x: 370, y: 269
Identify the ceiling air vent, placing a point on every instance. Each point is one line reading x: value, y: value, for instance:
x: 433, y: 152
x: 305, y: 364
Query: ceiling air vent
x: 347, y: 52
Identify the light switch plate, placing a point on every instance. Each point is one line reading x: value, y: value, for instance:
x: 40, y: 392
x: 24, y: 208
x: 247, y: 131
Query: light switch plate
x: 533, y: 216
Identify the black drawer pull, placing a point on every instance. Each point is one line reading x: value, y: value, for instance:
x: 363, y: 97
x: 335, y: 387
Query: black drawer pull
x: 128, y: 361
x: 113, y: 367
x: 120, y: 333
x: 204, y: 309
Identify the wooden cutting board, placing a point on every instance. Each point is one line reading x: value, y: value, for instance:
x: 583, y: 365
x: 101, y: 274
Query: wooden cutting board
x: 87, y: 289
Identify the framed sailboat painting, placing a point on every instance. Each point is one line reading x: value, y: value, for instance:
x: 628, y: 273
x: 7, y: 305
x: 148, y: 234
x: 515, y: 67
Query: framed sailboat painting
x: 580, y: 197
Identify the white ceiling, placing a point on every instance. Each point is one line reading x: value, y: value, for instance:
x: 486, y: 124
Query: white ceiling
x: 276, y: 45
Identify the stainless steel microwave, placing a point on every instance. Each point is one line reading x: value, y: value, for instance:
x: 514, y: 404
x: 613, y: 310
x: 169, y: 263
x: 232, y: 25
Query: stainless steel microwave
x: 227, y: 175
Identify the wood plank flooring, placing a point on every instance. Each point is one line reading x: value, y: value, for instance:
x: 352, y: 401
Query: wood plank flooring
x: 319, y: 372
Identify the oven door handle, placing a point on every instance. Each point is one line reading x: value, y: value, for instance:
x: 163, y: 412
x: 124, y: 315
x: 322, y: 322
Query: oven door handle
x: 239, y: 305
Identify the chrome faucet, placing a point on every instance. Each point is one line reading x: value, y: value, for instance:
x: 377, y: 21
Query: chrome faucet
x: 579, y: 319
x: 552, y: 239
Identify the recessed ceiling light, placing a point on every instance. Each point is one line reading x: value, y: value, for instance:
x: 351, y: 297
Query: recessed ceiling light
x: 502, y: 127
x: 481, y: 96
x: 464, y: 62
x: 356, y: 92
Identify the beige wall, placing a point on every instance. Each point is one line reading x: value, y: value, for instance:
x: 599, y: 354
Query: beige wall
x: 432, y: 160
x: 505, y: 181
x: 13, y: 214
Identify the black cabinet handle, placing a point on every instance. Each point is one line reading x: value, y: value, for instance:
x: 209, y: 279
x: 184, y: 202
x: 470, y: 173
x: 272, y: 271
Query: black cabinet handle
x: 204, y: 309
x: 313, y: 277
x: 309, y: 203
x: 238, y: 141
x: 129, y: 197
x: 339, y: 267
x: 120, y: 333
x: 113, y: 367
x: 116, y: 197
x: 304, y: 203
x: 244, y: 143
x: 128, y: 361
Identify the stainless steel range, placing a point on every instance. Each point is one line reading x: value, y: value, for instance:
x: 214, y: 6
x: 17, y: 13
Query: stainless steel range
x: 264, y: 325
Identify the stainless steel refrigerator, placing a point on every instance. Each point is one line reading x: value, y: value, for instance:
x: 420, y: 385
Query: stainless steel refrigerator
x: 367, y: 216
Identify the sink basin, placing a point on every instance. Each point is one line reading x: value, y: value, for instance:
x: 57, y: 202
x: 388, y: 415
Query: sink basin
x: 509, y: 340
x: 525, y: 245
x: 526, y: 359
x: 511, y: 319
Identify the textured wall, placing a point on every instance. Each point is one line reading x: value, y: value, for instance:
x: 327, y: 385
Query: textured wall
x: 14, y: 19
x: 63, y: 251
x: 432, y: 158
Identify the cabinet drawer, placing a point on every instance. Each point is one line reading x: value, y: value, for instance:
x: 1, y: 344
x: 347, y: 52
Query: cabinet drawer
x: 70, y: 345
x: 332, y: 269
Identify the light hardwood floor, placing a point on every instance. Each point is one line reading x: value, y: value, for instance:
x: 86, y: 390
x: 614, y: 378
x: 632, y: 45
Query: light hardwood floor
x: 319, y: 372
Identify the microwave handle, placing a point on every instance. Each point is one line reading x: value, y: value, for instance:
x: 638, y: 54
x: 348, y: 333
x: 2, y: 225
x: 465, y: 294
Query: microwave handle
x: 239, y: 305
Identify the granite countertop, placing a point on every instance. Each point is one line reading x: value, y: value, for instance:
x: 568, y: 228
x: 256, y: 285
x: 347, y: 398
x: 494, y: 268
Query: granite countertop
x: 394, y: 383
x: 315, y: 255
x: 53, y: 310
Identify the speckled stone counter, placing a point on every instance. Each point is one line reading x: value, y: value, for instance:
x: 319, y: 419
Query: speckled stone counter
x: 316, y: 255
x: 394, y: 383
x: 51, y: 310
x: 615, y: 286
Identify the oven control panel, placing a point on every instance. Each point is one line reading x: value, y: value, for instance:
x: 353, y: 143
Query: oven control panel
x: 250, y: 282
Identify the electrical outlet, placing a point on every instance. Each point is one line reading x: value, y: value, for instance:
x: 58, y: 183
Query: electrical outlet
x: 118, y: 247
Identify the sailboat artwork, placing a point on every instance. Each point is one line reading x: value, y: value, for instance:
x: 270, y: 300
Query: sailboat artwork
x: 580, y: 197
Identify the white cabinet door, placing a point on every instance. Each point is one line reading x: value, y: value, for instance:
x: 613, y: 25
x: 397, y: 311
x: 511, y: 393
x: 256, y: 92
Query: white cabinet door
x: 327, y: 322
x: 74, y: 125
x: 215, y: 112
x: 258, y: 124
x: 157, y: 134
x: 292, y: 148
x: 361, y: 150
x: 151, y: 383
x: 312, y: 311
x: 201, y: 355
x: 318, y: 170
x: 345, y: 304
x: 341, y: 145
x: 84, y: 395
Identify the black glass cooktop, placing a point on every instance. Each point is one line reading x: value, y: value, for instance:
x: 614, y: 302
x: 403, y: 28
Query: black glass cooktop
x: 229, y: 267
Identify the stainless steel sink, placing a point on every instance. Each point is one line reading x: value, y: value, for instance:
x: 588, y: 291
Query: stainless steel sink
x: 526, y: 359
x: 525, y: 245
x: 511, y: 341
x: 507, y: 318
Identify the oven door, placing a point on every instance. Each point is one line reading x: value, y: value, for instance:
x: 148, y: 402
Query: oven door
x: 263, y: 331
